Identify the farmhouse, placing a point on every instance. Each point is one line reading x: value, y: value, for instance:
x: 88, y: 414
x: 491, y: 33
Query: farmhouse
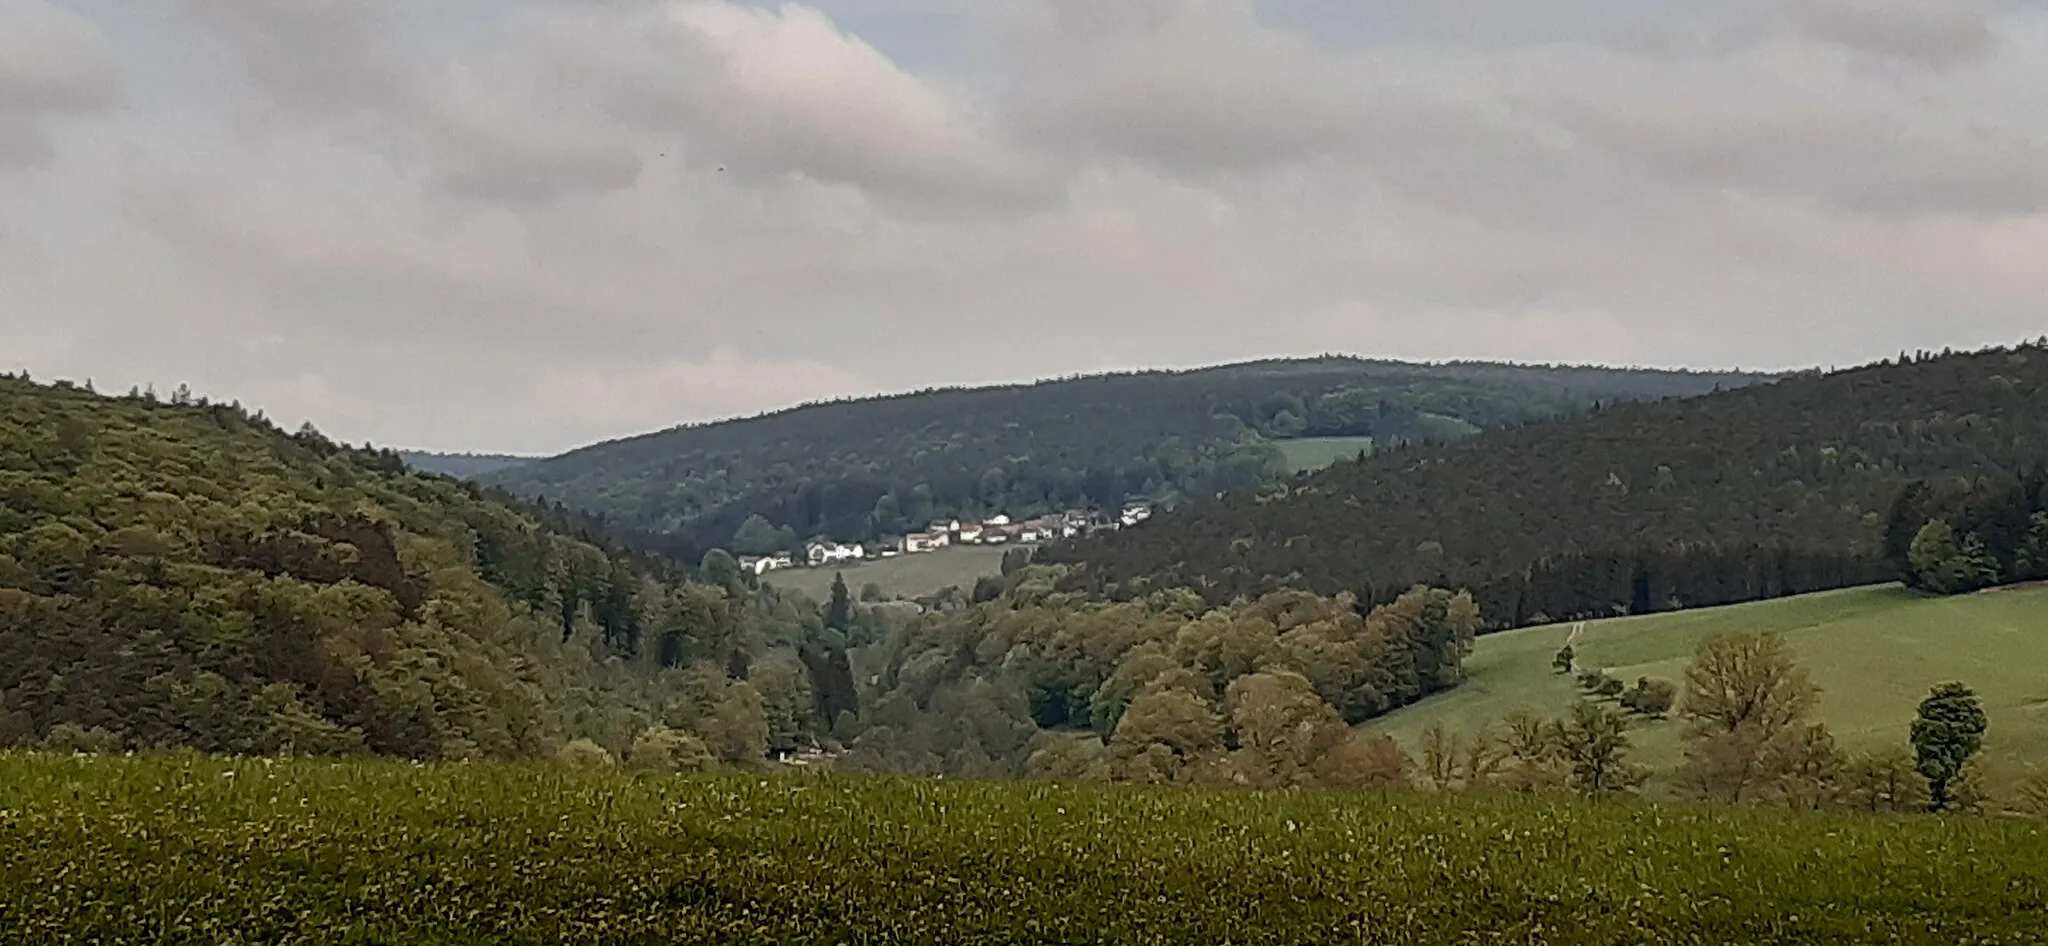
x: 758, y: 565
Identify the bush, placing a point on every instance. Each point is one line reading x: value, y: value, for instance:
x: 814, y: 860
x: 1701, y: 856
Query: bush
x: 1651, y: 697
x: 585, y: 754
x: 661, y: 749
x: 67, y: 737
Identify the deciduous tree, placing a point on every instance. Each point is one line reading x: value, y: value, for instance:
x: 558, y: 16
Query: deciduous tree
x: 1946, y: 734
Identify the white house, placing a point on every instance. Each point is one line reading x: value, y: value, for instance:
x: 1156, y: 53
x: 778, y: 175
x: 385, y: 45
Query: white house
x: 828, y: 553
x: 758, y: 565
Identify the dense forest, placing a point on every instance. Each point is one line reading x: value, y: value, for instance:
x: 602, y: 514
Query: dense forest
x: 1965, y: 536
x: 1036, y: 682
x: 1767, y: 490
x: 184, y: 574
x: 852, y: 470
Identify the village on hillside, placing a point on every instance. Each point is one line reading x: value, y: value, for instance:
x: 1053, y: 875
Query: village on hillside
x: 998, y: 530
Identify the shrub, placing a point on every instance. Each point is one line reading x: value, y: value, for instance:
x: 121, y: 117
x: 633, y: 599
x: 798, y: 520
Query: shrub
x: 585, y: 754
x: 661, y: 749
x: 67, y: 737
x: 1651, y: 696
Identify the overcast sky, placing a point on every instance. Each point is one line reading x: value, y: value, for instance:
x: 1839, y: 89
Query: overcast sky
x: 529, y: 224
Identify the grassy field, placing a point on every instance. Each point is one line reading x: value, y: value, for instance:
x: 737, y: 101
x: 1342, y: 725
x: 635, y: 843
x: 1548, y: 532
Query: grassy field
x: 188, y: 850
x: 906, y: 576
x: 1873, y: 651
x: 1316, y: 453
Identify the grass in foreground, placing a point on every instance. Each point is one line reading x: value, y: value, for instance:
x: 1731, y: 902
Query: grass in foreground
x: 1874, y: 652
x: 905, y: 576
x: 186, y: 850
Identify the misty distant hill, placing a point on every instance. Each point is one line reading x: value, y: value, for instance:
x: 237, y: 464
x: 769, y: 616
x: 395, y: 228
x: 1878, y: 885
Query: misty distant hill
x: 854, y: 469
x: 462, y: 466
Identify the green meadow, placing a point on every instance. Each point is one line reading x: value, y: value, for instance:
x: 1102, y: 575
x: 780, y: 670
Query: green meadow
x: 1874, y: 652
x: 905, y: 576
x: 1316, y: 453
x: 184, y: 849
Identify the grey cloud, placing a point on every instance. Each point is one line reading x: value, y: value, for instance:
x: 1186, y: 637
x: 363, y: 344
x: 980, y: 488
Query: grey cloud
x: 772, y: 94
x: 1779, y: 122
x: 1937, y: 33
x: 312, y: 59
x: 1189, y: 86
x: 475, y: 130
x: 53, y: 64
x: 512, y: 234
x: 53, y: 61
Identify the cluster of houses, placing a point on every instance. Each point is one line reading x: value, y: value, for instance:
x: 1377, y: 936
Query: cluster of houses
x: 999, y: 530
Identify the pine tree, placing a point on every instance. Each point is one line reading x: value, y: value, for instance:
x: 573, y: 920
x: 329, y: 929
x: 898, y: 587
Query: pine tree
x: 839, y: 613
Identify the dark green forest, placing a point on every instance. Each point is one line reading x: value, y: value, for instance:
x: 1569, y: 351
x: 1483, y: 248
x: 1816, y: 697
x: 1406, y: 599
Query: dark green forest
x: 1767, y: 490
x: 855, y: 469
x: 184, y: 574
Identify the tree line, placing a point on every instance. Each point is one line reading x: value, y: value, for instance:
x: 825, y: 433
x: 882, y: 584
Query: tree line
x: 853, y: 470
x: 1764, y: 491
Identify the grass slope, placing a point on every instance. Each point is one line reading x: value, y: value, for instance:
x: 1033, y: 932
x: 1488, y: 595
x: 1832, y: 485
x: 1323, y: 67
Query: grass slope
x: 1873, y: 651
x: 192, y: 850
x: 905, y: 576
x: 1317, y: 453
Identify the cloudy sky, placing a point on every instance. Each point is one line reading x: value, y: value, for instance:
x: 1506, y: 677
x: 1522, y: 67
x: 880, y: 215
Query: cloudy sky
x: 528, y: 224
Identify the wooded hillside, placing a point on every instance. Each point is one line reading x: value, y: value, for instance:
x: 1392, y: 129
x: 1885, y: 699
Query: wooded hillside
x: 1768, y: 490
x: 855, y: 469
x: 187, y: 575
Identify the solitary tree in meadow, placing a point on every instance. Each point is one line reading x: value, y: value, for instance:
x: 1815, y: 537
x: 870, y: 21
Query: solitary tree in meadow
x: 1946, y: 734
x: 1741, y: 681
x: 1742, y: 694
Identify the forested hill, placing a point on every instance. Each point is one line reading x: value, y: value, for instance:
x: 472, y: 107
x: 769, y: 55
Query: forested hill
x: 187, y: 575
x: 1767, y: 490
x: 855, y: 469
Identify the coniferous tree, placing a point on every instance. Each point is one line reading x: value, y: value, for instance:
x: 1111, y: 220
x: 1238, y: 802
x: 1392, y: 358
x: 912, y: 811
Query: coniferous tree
x: 839, y: 611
